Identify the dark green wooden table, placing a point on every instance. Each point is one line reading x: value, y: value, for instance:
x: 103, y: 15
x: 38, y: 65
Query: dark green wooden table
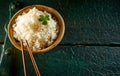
x: 90, y: 47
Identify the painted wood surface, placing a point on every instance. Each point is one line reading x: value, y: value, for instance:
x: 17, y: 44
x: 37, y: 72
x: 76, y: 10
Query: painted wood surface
x: 90, y: 47
x: 86, y: 21
x: 67, y: 61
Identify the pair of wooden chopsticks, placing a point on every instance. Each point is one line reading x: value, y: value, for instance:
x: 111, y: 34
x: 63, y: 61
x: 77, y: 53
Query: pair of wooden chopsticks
x: 32, y: 59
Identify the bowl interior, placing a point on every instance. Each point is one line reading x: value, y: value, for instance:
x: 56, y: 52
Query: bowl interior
x: 42, y: 8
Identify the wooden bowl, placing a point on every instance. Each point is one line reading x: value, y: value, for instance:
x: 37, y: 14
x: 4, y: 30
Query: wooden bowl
x: 42, y: 8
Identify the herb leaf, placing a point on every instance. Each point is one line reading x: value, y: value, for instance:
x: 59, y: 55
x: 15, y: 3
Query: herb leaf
x: 44, y: 19
x: 44, y: 22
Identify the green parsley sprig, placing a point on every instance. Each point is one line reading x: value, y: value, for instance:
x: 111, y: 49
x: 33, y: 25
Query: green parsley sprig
x: 44, y: 19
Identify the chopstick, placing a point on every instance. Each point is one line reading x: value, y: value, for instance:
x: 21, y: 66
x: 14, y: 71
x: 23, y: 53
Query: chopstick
x: 33, y: 60
x: 23, y: 58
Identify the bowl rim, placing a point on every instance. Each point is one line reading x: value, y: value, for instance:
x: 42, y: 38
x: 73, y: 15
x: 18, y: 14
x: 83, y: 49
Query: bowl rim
x: 54, y: 44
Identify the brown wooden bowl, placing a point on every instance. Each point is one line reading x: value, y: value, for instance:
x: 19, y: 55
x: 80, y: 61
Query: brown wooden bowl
x: 42, y: 8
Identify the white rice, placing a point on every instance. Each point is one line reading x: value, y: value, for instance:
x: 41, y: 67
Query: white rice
x: 28, y: 27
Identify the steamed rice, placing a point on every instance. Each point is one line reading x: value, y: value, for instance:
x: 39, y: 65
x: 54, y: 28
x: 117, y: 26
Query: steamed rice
x: 28, y: 27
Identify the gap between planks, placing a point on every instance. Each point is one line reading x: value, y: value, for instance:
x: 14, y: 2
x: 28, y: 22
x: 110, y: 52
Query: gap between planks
x: 81, y: 44
x: 91, y: 44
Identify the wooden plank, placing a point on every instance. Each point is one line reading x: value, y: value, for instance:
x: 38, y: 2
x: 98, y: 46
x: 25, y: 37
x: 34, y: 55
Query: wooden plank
x: 4, y: 17
x: 68, y: 61
x: 96, y: 21
x: 91, y: 21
